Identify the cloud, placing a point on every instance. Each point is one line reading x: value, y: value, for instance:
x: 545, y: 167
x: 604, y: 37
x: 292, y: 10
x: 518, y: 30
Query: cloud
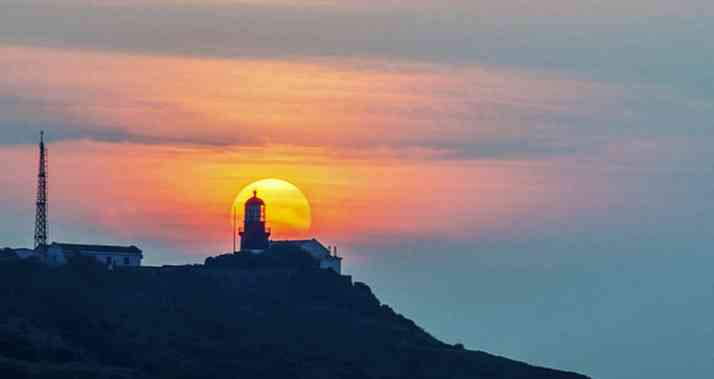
x: 341, y: 104
x: 448, y: 111
x: 659, y: 42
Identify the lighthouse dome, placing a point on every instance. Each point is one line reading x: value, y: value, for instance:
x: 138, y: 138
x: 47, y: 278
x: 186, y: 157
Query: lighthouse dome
x: 255, y: 200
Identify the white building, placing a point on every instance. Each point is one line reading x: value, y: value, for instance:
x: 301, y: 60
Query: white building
x: 326, y: 258
x: 112, y: 256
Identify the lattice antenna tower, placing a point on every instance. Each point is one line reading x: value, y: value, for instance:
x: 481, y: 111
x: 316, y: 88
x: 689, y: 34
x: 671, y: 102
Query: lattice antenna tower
x: 41, y: 227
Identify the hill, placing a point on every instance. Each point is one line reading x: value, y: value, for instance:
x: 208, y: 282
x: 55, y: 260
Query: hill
x: 230, y: 318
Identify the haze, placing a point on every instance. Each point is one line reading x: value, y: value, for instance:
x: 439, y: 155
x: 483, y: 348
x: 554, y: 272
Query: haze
x: 533, y: 179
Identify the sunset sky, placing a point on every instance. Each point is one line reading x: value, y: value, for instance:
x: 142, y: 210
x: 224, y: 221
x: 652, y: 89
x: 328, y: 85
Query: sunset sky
x: 530, y: 178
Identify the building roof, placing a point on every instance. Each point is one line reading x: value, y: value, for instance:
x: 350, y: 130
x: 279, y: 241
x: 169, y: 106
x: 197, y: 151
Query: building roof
x: 99, y: 248
x: 312, y: 246
x: 313, y: 241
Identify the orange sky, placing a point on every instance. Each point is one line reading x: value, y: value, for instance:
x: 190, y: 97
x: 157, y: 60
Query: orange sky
x: 318, y: 102
x: 193, y: 132
x: 183, y: 195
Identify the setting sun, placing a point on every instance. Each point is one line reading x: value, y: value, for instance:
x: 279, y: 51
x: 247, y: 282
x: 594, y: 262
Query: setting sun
x: 287, y: 208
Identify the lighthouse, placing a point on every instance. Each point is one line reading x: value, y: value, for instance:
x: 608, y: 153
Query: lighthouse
x: 254, y: 236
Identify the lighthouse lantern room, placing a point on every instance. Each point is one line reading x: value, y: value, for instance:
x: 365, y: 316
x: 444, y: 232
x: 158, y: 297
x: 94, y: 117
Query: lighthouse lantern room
x: 255, y: 236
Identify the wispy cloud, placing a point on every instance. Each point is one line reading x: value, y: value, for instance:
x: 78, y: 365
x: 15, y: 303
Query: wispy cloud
x: 654, y: 41
x: 345, y: 104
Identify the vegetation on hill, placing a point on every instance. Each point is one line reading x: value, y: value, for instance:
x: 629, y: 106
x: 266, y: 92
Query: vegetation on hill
x: 230, y: 318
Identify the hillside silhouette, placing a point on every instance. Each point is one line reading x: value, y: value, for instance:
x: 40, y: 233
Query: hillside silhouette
x: 234, y: 317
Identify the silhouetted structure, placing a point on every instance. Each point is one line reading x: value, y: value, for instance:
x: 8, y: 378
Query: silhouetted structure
x: 254, y: 234
x: 58, y: 254
x: 41, y: 229
x: 255, y: 239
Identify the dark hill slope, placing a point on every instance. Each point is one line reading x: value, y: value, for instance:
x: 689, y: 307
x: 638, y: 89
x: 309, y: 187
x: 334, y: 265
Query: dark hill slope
x: 217, y: 321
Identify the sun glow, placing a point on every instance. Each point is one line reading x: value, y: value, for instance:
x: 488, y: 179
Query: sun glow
x: 287, y: 208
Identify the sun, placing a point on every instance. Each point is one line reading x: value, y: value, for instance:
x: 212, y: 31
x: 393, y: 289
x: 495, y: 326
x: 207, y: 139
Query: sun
x: 287, y: 208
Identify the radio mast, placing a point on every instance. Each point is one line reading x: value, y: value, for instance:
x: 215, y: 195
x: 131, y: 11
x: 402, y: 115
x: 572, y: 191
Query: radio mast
x: 41, y: 229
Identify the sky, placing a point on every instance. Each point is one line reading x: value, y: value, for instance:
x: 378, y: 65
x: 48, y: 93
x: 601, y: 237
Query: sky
x: 532, y: 179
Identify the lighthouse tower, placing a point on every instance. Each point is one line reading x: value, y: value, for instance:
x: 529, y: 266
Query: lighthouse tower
x: 254, y: 234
